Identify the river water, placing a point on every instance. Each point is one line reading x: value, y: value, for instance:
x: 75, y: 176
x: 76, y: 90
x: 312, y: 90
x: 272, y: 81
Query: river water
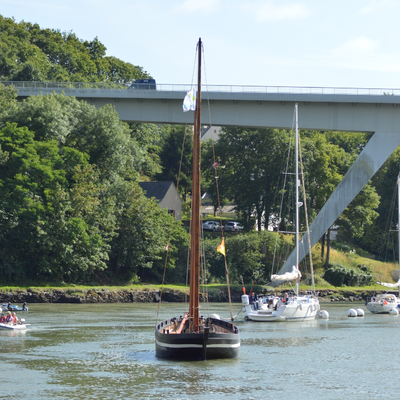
x: 107, y: 352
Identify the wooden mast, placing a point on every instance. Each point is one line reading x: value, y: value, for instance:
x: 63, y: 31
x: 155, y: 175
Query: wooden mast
x: 196, y: 199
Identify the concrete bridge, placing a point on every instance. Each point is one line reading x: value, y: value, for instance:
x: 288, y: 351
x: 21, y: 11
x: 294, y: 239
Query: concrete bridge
x: 336, y: 109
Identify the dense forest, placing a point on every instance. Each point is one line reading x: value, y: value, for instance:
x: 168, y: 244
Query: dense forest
x: 29, y: 53
x: 72, y: 210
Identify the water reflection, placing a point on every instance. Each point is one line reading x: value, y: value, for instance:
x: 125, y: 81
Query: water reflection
x: 281, y: 342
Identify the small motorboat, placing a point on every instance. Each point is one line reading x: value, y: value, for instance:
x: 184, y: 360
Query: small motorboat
x: 16, y: 327
x: 13, y: 307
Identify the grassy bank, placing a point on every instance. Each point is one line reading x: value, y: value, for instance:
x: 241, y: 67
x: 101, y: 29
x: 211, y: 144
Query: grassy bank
x: 382, y: 271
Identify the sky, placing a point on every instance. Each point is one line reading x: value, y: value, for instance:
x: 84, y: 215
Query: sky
x: 307, y: 43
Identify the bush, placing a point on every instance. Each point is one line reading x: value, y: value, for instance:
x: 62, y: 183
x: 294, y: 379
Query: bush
x: 340, y: 246
x: 337, y: 275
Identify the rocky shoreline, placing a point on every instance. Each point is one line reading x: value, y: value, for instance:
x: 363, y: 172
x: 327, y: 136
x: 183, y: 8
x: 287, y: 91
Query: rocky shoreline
x: 148, y: 296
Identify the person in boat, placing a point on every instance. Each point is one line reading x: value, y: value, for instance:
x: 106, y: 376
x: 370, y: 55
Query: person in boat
x: 254, y: 301
x: 286, y: 297
x: 15, y: 319
x: 271, y: 303
x: 2, y: 319
x: 9, y: 318
x: 24, y: 306
x: 9, y: 306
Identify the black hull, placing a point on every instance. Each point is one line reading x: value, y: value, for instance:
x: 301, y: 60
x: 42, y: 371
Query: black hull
x: 198, y: 346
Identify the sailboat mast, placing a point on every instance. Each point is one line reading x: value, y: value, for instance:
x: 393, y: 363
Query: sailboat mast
x: 398, y: 220
x: 194, y: 304
x: 297, y: 191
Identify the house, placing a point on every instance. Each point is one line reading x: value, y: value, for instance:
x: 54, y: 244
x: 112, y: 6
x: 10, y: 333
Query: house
x: 210, y: 132
x: 166, y: 195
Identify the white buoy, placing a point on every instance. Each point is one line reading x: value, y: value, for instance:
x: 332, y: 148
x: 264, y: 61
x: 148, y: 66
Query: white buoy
x: 323, y: 314
x: 352, y: 313
x: 360, y: 312
x: 394, y: 311
x: 215, y: 316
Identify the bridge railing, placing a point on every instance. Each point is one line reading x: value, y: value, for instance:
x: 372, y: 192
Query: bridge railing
x: 207, y: 88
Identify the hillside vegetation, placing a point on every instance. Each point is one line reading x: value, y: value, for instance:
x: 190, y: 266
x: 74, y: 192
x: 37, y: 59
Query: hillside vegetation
x: 31, y: 53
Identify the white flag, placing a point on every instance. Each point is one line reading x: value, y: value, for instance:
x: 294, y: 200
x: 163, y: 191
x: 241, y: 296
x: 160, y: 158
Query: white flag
x: 189, y: 103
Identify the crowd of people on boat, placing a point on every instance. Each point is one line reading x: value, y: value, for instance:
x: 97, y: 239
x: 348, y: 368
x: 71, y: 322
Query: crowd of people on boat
x: 270, y: 301
x: 9, y: 319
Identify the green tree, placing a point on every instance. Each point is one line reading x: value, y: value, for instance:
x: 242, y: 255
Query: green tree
x: 361, y: 212
x: 143, y: 233
x: 176, y: 157
x: 385, y: 183
x: 8, y: 102
x: 325, y: 164
x: 109, y: 142
x: 250, y: 168
x: 249, y: 256
x: 148, y: 137
x: 46, y: 226
x: 351, y: 142
x: 30, y: 53
x: 210, y: 178
x: 85, y: 196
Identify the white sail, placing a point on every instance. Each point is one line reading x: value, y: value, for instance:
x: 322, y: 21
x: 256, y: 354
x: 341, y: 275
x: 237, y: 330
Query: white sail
x: 397, y: 284
x: 295, y: 275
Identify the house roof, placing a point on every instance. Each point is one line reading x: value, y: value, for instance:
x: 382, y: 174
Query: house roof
x: 156, y: 189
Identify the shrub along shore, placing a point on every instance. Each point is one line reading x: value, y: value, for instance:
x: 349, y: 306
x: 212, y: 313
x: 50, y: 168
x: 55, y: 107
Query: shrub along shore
x: 153, y: 294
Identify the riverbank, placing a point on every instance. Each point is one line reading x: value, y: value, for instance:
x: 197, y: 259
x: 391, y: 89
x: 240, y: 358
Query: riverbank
x: 150, y: 295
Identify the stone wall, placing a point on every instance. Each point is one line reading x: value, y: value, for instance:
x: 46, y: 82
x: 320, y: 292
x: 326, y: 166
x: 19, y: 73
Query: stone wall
x: 147, y: 296
x: 103, y: 296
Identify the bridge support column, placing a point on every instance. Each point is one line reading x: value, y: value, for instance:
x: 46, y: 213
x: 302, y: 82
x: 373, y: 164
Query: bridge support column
x: 376, y: 152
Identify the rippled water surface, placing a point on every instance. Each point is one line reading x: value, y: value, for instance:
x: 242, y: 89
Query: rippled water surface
x: 107, y: 352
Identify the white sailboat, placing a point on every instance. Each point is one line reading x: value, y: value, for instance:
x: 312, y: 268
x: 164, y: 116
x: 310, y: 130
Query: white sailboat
x: 289, y: 308
x: 387, y: 302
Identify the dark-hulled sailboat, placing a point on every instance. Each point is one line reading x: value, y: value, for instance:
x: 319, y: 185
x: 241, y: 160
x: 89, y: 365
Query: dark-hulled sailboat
x: 192, y: 336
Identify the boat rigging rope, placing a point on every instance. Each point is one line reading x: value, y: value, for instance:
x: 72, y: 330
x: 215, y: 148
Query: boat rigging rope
x: 285, y: 175
x: 215, y: 166
x: 175, y: 203
x: 307, y: 224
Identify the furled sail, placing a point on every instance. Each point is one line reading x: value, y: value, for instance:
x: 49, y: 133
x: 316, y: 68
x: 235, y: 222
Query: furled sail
x: 295, y: 275
x: 397, y: 284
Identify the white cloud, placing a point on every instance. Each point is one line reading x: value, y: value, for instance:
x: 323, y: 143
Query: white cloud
x: 357, y: 46
x: 358, y: 54
x: 203, y: 6
x: 276, y: 11
x: 377, y: 5
x: 361, y: 53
